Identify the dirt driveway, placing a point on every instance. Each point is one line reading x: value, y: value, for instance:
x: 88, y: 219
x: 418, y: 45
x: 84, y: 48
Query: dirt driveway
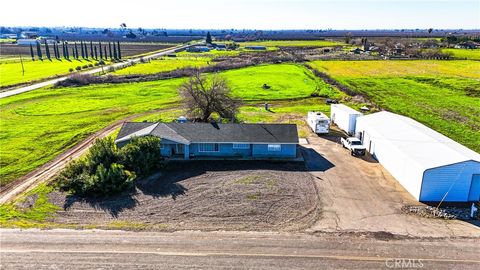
x: 360, y: 195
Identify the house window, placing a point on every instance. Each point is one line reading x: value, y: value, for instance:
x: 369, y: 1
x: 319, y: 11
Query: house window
x: 274, y: 147
x: 208, y: 147
x: 241, y: 146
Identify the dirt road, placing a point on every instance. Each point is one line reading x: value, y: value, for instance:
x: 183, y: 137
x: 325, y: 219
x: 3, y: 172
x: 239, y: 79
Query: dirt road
x: 51, y: 168
x: 358, y: 194
x: 68, y: 249
x: 34, y: 86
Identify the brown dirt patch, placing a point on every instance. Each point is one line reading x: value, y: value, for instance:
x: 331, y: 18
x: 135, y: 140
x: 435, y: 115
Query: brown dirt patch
x: 213, y: 195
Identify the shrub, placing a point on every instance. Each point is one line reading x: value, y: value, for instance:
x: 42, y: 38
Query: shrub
x: 77, y: 80
x: 78, y: 68
x: 90, y: 65
x: 106, y: 170
x: 70, y: 70
x: 101, y: 62
x: 141, y: 155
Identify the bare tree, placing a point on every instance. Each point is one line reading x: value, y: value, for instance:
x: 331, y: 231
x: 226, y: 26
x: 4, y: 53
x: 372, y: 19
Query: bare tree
x: 204, y: 96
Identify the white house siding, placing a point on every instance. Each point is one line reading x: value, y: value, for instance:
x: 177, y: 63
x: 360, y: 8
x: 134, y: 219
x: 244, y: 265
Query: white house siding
x: 456, y: 179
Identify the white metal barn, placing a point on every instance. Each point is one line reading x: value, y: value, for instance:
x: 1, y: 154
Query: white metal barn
x: 344, y: 117
x: 428, y: 164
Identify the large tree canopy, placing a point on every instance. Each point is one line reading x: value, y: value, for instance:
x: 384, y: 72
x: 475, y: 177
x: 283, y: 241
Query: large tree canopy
x: 206, y: 95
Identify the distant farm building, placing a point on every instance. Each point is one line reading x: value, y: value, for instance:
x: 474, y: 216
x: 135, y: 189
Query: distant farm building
x: 183, y: 140
x: 198, y: 49
x: 429, y: 165
x: 256, y: 48
x: 468, y: 45
x: 25, y: 41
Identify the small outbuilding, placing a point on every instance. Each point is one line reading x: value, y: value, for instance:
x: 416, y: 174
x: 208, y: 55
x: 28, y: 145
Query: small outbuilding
x: 429, y: 165
x: 344, y: 117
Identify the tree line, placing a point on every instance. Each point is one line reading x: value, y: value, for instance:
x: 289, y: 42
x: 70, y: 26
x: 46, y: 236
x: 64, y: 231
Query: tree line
x: 77, y: 51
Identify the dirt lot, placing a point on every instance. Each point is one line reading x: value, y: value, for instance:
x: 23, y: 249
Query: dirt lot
x: 214, y: 195
x: 359, y: 195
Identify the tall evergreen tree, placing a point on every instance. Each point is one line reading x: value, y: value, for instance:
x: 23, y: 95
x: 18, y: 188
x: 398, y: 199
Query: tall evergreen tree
x: 115, y: 51
x: 31, y: 52
x: 86, y: 50
x: 76, y: 51
x: 66, y: 50
x: 101, y: 52
x: 110, y: 51
x: 105, y: 52
x: 209, y: 38
x: 82, y: 51
x: 91, y: 49
x: 47, y: 50
x: 95, y: 51
x: 39, y: 51
x: 119, y: 51
x: 55, y: 50
x: 73, y: 52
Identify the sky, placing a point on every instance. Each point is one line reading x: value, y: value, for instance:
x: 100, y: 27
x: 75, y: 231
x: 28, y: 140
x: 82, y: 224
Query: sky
x: 245, y: 14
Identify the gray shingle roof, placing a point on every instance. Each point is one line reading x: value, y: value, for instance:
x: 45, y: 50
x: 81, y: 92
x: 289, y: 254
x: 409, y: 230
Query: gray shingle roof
x: 219, y: 133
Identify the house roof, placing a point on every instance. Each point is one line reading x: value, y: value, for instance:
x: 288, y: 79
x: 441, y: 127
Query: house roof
x: 419, y: 143
x: 187, y: 133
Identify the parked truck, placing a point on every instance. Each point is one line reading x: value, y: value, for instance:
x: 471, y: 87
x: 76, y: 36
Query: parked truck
x: 344, y: 117
x: 318, y: 122
x: 354, y: 145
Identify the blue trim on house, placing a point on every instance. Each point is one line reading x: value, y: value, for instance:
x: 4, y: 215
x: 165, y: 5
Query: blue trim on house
x: 226, y: 150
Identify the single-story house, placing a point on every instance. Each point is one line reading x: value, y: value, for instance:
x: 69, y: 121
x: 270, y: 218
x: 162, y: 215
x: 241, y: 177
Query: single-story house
x: 215, y: 140
x: 429, y: 165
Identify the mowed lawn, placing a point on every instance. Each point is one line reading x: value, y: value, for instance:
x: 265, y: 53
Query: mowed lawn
x: 444, y: 95
x: 11, y: 72
x: 162, y: 65
x: 38, y: 125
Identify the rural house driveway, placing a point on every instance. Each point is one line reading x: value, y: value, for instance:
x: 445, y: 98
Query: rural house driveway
x: 360, y: 195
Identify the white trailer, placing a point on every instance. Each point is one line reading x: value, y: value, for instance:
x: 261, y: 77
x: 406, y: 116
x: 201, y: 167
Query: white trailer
x: 318, y: 122
x: 344, y: 117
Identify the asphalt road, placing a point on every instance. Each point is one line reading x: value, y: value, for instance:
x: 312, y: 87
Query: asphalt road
x: 69, y: 249
x: 92, y: 71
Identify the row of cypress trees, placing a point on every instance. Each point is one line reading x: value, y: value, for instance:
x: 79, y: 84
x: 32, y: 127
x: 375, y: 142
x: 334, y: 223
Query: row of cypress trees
x: 96, y: 52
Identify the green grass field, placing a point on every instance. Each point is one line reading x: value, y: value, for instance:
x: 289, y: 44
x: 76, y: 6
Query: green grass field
x: 464, y: 53
x: 444, y: 95
x: 164, y: 64
x: 38, y: 125
x: 11, y: 72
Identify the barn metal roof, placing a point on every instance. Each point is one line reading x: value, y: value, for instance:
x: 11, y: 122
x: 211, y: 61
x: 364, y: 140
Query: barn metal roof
x: 423, y: 145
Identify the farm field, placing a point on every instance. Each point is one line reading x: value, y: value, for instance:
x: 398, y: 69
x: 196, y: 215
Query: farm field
x: 11, y: 72
x: 444, y: 95
x: 163, y: 64
x: 464, y: 53
x: 292, y: 43
x: 38, y: 125
x: 129, y: 49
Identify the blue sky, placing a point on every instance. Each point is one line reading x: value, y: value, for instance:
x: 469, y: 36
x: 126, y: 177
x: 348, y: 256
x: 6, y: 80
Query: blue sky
x: 245, y: 14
